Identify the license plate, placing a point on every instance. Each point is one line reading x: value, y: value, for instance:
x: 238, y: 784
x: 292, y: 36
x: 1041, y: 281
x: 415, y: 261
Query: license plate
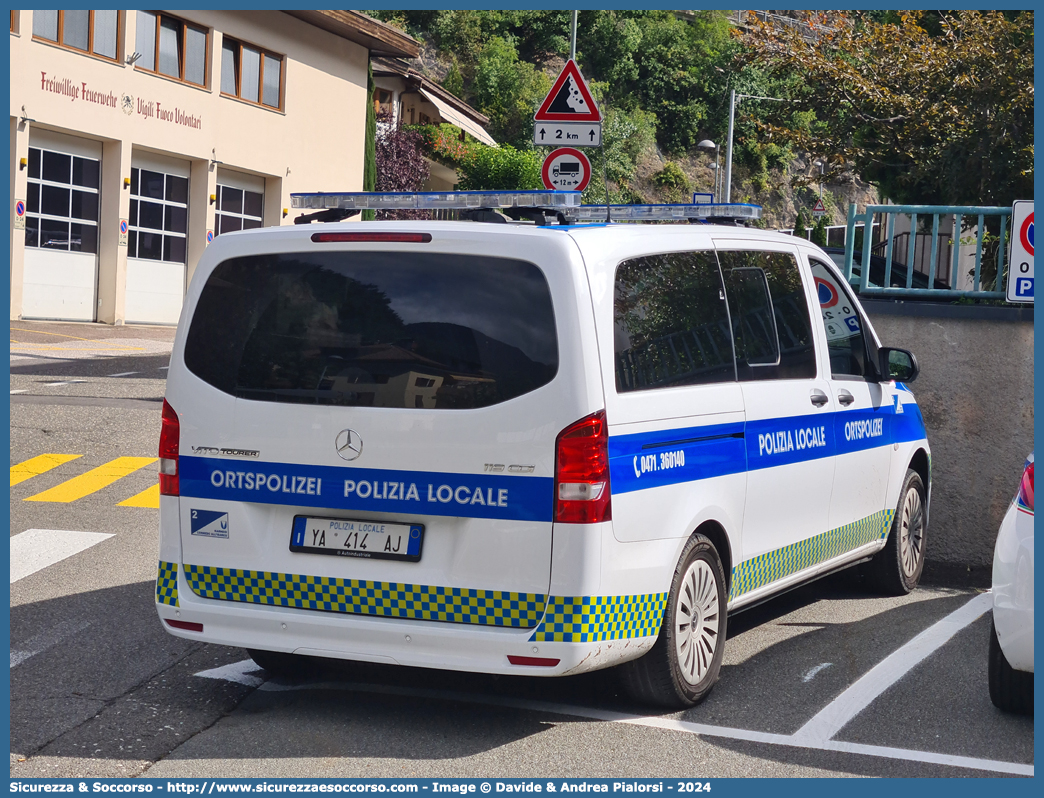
x: 351, y: 537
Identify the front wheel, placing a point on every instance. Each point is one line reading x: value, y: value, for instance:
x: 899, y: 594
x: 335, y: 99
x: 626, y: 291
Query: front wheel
x: 682, y: 667
x: 896, y: 569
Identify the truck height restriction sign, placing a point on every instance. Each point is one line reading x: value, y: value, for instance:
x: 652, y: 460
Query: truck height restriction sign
x: 1020, y: 261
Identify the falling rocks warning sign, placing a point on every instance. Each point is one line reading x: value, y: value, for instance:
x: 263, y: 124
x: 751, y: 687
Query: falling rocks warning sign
x: 569, y: 99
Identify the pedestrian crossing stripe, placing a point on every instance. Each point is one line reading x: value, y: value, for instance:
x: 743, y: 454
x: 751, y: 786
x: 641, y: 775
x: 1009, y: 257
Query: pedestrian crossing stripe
x: 88, y: 483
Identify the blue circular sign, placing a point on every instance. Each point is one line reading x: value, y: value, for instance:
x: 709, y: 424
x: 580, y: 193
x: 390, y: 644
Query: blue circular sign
x: 20, y: 208
x: 123, y: 225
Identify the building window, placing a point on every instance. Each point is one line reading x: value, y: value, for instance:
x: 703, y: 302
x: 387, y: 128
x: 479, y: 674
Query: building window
x: 251, y: 74
x: 238, y: 209
x: 94, y: 32
x: 382, y: 102
x: 171, y: 47
x: 158, y: 216
x: 61, y: 208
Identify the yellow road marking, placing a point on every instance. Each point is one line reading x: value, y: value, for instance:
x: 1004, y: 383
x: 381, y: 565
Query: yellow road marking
x: 38, y: 465
x: 93, y: 481
x: 60, y: 335
x: 55, y: 348
x: 147, y: 498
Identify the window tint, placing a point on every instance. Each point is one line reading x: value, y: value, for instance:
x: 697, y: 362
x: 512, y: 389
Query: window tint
x: 671, y: 322
x: 770, y: 318
x: 408, y: 330
x: 846, y: 342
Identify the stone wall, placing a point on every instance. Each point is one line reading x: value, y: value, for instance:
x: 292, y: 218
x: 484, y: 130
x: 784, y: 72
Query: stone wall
x: 975, y: 391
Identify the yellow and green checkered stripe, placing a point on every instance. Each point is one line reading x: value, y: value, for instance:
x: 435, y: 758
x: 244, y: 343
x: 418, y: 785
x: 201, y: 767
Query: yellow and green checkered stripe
x: 773, y: 565
x: 360, y: 597
x: 588, y: 619
x: 167, y: 584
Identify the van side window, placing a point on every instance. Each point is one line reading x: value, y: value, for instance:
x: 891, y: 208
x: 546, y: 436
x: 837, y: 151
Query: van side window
x: 846, y: 342
x: 671, y: 323
x: 770, y: 317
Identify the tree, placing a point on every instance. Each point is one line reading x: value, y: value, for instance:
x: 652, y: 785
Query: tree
x: 508, y: 91
x: 370, y: 140
x: 819, y: 232
x: 801, y: 224
x: 401, y: 167
x: 930, y: 119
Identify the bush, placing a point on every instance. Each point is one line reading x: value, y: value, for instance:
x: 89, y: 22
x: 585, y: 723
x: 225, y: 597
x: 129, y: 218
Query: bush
x: 819, y: 232
x: 500, y: 168
x: 401, y: 167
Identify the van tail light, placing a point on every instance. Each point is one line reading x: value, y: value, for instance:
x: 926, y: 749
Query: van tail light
x: 1026, y: 488
x: 170, y: 438
x: 582, y: 494
x: 540, y: 662
x: 188, y: 626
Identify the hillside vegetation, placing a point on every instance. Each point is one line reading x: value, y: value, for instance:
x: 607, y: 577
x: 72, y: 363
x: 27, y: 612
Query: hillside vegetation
x: 925, y: 106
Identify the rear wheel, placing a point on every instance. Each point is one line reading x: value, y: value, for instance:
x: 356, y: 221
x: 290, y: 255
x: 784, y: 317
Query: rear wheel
x: 682, y: 666
x: 1010, y: 690
x: 897, y: 568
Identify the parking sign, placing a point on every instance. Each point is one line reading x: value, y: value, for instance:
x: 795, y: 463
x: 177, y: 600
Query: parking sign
x: 1020, y: 261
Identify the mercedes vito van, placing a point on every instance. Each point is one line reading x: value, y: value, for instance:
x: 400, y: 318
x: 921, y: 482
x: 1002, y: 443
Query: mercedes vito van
x: 525, y: 448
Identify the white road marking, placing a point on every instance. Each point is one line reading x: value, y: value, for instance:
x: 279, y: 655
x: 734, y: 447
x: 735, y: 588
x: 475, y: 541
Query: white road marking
x: 124, y: 374
x: 35, y: 549
x: 164, y: 368
x: 66, y: 382
x: 812, y: 673
x: 238, y: 672
x: 45, y: 640
x: 685, y: 727
x: 830, y: 720
x: 20, y: 390
x: 815, y: 735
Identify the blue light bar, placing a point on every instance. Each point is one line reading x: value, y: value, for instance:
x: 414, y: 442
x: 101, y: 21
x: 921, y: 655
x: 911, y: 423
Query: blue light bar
x: 388, y: 200
x: 664, y: 213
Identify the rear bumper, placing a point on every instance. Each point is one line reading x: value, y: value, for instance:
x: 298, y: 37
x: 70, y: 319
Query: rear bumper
x: 427, y: 644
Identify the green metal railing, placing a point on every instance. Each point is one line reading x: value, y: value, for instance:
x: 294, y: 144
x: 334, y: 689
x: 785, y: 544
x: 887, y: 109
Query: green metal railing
x: 916, y: 212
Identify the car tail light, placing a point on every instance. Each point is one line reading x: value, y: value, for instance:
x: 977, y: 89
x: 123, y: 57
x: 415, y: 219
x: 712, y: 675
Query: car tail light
x: 1026, y: 488
x: 545, y: 662
x: 188, y: 626
x: 582, y: 494
x: 170, y: 438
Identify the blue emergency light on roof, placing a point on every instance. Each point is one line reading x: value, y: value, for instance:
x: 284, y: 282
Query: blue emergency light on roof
x: 664, y: 212
x: 533, y: 206
x: 387, y: 200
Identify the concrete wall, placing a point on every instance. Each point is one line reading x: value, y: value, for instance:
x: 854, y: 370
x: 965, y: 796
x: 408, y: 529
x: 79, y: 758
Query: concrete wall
x: 975, y: 391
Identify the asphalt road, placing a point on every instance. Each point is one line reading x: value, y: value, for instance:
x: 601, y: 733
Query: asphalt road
x: 823, y: 681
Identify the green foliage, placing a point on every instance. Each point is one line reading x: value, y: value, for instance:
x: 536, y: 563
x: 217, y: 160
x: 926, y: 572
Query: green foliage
x: 504, y: 167
x: 800, y: 223
x: 454, y: 81
x: 442, y: 143
x: 508, y: 91
x: 369, y: 143
x: 932, y: 108
x: 819, y: 232
x: 673, y: 181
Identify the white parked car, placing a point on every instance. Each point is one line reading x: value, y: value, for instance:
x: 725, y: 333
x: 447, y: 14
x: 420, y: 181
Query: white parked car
x: 1011, y: 633
x: 525, y: 449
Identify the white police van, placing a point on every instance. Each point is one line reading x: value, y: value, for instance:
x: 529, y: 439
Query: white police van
x: 525, y: 448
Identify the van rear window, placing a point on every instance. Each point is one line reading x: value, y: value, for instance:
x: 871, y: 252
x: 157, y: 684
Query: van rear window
x: 375, y: 329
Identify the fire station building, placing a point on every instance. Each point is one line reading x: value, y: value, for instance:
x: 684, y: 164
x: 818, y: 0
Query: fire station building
x: 139, y: 136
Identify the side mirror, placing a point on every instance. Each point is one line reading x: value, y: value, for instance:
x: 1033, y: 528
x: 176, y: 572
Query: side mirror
x: 897, y: 364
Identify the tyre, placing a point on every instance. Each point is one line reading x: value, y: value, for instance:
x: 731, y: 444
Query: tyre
x: 278, y: 663
x: 682, y: 667
x: 1010, y: 690
x: 896, y: 569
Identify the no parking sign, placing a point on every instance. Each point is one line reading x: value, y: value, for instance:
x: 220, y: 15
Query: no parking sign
x: 1020, y: 261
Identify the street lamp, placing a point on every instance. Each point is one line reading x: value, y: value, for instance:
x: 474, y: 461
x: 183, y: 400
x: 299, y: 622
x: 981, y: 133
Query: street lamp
x: 733, y: 99
x: 707, y: 144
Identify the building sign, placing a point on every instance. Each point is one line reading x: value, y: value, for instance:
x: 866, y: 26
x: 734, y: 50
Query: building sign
x: 19, y: 210
x: 1020, y: 262
x: 148, y: 109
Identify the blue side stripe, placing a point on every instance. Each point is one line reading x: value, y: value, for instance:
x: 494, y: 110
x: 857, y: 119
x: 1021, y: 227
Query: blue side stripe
x: 513, y: 498
x: 673, y: 456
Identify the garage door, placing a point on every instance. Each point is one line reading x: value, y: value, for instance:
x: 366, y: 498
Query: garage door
x: 60, y: 276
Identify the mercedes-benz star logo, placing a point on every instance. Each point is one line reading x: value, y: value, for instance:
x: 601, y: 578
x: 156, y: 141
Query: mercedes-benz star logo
x: 348, y: 444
